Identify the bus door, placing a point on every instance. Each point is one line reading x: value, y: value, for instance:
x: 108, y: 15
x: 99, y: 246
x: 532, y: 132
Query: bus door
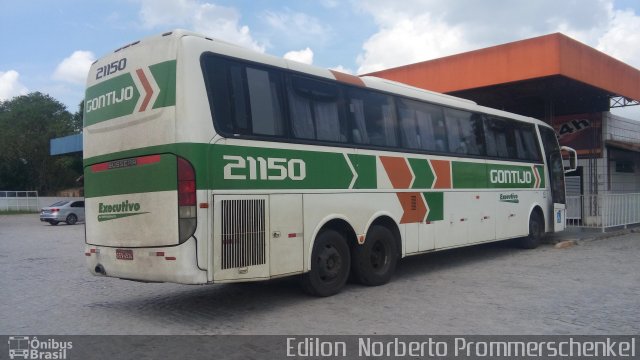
x: 555, y: 171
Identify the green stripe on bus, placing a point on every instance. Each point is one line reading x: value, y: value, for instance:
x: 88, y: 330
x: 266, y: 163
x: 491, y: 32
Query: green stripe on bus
x: 467, y: 175
x: 119, y: 96
x: 543, y: 180
x: 267, y: 168
x: 435, y: 201
x: 511, y: 176
x: 160, y: 176
x: 423, y: 174
x: 195, y: 153
x: 165, y: 75
x: 323, y: 170
x: 110, y: 99
x: 365, y: 166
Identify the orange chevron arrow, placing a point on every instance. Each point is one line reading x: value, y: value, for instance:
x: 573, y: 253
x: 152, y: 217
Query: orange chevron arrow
x: 415, y: 210
x: 537, y: 175
x: 413, y: 205
x: 398, y: 171
x: 147, y: 88
x: 442, y: 170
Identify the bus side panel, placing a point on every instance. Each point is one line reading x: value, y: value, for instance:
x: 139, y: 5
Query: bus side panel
x: 513, y: 212
x: 287, y: 241
x: 468, y: 218
x: 241, y: 238
x: 358, y: 208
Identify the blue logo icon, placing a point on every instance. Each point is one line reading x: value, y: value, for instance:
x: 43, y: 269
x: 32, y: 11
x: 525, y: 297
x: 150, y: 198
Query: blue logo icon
x: 559, y: 217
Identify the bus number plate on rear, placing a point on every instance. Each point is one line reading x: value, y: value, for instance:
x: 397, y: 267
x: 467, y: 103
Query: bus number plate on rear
x: 123, y: 254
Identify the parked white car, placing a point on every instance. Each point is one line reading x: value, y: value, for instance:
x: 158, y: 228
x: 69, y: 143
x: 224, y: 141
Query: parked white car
x: 63, y: 211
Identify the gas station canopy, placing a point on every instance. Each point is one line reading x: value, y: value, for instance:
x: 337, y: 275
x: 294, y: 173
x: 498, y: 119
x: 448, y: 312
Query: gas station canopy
x: 543, y: 77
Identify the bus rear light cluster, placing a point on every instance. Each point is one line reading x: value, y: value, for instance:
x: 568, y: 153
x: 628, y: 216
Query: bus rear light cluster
x: 186, y: 200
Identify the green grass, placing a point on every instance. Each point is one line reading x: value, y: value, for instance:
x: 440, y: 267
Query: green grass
x: 17, y: 212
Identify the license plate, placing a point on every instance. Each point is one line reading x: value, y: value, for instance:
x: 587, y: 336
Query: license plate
x: 123, y: 254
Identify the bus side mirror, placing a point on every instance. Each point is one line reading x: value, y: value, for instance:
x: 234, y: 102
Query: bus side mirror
x: 573, y: 159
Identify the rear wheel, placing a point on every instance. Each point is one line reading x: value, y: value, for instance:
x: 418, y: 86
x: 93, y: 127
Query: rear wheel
x: 330, y: 263
x: 374, y: 262
x: 53, y: 222
x: 536, y: 230
x: 71, y: 219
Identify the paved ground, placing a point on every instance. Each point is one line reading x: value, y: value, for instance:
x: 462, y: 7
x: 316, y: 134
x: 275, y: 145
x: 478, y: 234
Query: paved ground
x: 592, y: 288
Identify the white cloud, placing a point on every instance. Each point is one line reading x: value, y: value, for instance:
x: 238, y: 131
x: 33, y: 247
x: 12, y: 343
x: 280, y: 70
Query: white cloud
x: 207, y: 18
x: 410, y: 40
x: 296, y: 28
x: 622, y: 38
x: 304, y: 56
x: 10, y: 85
x: 418, y: 30
x: 74, y: 69
x: 295, y: 22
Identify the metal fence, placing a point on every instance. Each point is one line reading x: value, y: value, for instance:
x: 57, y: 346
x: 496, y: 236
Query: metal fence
x: 19, y: 201
x: 603, y: 210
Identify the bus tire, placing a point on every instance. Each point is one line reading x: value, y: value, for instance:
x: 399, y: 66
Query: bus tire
x: 536, y: 229
x: 374, y: 262
x: 330, y: 265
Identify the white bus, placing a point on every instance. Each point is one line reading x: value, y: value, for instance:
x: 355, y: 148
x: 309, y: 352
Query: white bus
x: 208, y: 163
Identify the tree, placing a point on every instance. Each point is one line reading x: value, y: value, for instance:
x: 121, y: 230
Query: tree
x: 27, y: 123
x: 76, y: 119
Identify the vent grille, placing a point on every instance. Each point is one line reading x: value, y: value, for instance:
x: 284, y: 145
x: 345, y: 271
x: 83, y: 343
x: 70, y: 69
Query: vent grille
x: 243, y: 233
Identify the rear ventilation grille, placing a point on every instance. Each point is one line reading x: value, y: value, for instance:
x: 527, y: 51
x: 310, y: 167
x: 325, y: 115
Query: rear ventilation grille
x: 243, y: 233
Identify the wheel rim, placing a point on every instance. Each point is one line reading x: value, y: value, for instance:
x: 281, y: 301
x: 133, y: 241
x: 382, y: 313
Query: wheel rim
x: 329, y: 263
x: 72, y: 219
x: 378, y: 256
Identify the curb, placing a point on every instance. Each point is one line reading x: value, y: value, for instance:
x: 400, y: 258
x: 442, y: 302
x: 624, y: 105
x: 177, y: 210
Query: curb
x: 561, y: 242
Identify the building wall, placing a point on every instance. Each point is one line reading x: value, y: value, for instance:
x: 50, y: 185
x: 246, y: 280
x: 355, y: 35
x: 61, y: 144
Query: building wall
x: 610, y: 169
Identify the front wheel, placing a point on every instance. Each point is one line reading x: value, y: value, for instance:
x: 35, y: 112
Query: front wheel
x: 71, y: 219
x: 536, y: 230
x: 374, y: 262
x: 330, y: 264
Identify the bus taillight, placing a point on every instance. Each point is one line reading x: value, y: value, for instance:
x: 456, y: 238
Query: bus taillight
x: 186, y: 199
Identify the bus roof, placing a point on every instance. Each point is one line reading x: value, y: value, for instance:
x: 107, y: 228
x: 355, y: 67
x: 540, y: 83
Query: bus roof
x: 368, y: 81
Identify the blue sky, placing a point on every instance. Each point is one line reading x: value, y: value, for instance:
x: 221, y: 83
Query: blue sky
x: 48, y: 45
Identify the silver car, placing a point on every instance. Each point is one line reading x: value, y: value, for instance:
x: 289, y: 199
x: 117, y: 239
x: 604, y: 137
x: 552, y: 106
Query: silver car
x: 63, y: 211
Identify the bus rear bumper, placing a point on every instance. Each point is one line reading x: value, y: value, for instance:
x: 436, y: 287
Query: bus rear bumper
x: 177, y: 264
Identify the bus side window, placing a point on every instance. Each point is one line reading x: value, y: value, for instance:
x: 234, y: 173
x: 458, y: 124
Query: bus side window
x: 239, y: 106
x: 314, y: 108
x: 244, y: 99
x: 422, y: 126
x: 465, y: 132
x: 264, y: 98
x: 373, y: 118
x: 500, y: 139
x: 528, y: 143
x: 225, y: 91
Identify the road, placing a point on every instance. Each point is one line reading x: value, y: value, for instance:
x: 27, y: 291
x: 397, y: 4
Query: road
x: 592, y: 288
